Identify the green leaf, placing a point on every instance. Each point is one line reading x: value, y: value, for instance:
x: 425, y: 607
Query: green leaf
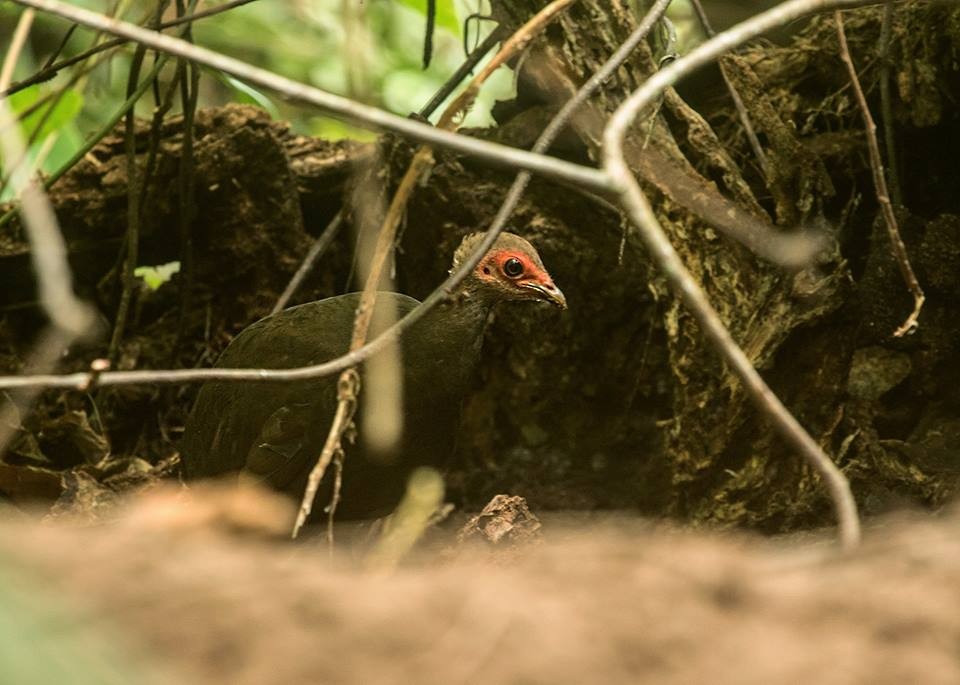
x: 66, y: 108
x: 155, y: 276
x: 446, y: 13
x: 251, y: 95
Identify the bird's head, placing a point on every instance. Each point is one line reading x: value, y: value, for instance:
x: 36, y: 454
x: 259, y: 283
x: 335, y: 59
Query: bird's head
x: 511, y: 270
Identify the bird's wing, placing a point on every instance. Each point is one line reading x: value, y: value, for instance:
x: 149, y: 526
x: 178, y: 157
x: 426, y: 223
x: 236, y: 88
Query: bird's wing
x: 275, y: 454
x: 274, y: 431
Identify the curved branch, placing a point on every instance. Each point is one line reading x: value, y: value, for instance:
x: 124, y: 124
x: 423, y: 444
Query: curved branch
x: 641, y: 213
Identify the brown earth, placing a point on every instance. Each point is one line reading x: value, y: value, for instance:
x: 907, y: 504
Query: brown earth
x: 199, y: 592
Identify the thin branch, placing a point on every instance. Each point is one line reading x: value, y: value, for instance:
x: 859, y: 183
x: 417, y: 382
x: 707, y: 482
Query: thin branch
x: 132, y: 235
x: 137, y: 185
x: 880, y: 184
x: 319, y: 246
x: 348, y: 387
x: 735, y: 96
x: 422, y: 160
x: 886, y: 104
x: 431, y: 24
x: 336, y: 105
x: 17, y: 42
x: 641, y: 213
x: 63, y: 44
x: 189, y: 96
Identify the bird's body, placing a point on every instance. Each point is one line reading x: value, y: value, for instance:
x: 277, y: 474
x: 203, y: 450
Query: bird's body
x: 275, y: 431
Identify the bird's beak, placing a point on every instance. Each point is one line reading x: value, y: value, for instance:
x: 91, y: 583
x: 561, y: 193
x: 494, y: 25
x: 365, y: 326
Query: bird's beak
x: 549, y: 292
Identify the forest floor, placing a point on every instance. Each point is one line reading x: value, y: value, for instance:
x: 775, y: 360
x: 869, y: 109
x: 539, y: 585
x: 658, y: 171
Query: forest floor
x: 204, y: 589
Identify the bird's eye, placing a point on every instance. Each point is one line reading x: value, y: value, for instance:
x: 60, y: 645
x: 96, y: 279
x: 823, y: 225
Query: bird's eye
x: 513, y: 267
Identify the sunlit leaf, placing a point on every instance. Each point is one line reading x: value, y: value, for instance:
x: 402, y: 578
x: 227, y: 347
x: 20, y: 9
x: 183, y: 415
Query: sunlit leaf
x: 251, y: 96
x: 64, y: 111
x: 446, y: 13
x: 155, y: 276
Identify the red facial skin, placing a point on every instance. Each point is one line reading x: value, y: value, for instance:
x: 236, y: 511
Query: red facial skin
x: 531, y: 272
x: 533, y: 281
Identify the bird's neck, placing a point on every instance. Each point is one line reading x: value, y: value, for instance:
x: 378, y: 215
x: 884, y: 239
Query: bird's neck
x: 450, y: 335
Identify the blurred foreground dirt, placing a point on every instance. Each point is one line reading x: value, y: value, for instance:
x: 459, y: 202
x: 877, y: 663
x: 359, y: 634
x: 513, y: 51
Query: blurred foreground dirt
x: 206, y: 590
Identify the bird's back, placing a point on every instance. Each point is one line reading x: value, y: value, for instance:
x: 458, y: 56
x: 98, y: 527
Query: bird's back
x: 228, y: 417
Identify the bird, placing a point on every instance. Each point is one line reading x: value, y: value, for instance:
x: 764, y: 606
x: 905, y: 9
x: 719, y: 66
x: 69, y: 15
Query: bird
x: 274, y: 432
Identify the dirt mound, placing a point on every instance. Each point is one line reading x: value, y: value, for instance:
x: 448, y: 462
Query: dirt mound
x: 204, y: 590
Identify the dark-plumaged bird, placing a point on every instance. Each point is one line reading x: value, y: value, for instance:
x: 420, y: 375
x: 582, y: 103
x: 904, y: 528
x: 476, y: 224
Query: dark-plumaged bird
x: 275, y: 432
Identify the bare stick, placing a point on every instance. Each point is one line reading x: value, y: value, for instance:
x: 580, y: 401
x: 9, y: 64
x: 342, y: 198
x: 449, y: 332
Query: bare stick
x: 638, y: 208
x: 16, y: 46
x: 319, y: 246
x: 372, y: 117
x: 886, y: 104
x: 421, y: 161
x: 880, y: 184
x: 735, y: 96
x: 135, y: 182
x: 189, y: 95
x: 347, y: 388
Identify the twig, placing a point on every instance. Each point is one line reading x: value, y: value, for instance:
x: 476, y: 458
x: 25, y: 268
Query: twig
x: 886, y: 104
x: 638, y: 208
x: 63, y: 43
x: 335, y: 497
x: 136, y: 192
x: 428, y: 32
x: 494, y: 153
x: 735, y: 96
x: 17, y: 42
x: 189, y: 95
x: 348, y: 386
x: 319, y: 246
x: 421, y: 161
x: 462, y: 72
x: 880, y: 184
x: 51, y: 70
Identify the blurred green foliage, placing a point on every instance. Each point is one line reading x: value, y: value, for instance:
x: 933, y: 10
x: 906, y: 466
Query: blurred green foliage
x: 306, y: 40
x: 47, y: 640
